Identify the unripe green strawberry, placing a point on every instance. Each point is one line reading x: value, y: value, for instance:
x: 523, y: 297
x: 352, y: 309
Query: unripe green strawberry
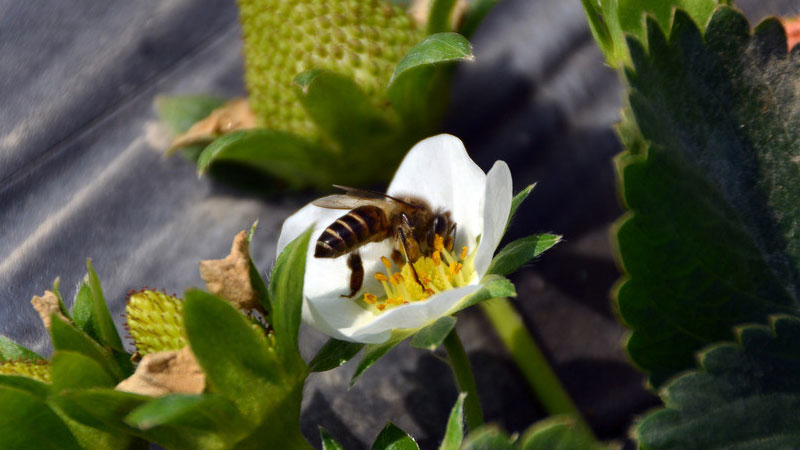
x: 155, y: 321
x: 38, y: 370
x: 361, y: 39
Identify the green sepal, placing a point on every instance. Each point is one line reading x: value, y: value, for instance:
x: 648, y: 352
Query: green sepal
x: 103, y: 323
x: 393, y: 438
x: 344, y: 113
x: 10, y: 350
x: 30, y: 385
x: 432, y: 336
x: 454, y: 433
x: 278, y: 154
x: 256, y: 281
x: 66, y: 337
x: 333, y: 354
x: 516, y: 202
x: 180, y: 112
x: 286, y: 291
x: 419, y: 88
x: 328, y: 443
x: 492, y: 286
x: 517, y: 253
x: 73, y: 370
x: 374, y: 352
x: 27, y: 422
x: 558, y: 433
x: 488, y: 437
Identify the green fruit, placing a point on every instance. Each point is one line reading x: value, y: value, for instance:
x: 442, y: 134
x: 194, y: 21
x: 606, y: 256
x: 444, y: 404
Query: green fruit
x: 155, y: 321
x: 361, y: 39
x: 38, y: 370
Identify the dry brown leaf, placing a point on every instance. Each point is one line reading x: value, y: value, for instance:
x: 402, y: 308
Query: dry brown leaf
x: 420, y: 11
x: 163, y: 373
x: 229, y: 278
x: 46, y: 305
x: 232, y: 116
x: 792, y: 26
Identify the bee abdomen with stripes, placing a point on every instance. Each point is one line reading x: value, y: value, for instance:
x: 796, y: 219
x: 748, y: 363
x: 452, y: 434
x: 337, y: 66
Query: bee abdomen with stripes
x: 358, y: 227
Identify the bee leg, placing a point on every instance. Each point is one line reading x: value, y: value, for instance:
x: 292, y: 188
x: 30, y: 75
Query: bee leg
x: 451, y: 238
x: 356, y: 273
x: 404, y: 241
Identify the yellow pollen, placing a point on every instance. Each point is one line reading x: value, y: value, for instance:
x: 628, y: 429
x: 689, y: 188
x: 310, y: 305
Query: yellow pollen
x: 380, y: 277
x: 438, y: 242
x: 381, y: 306
x: 398, y: 278
x: 437, y: 258
x: 369, y: 298
x: 394, y: 301
x: 388, y: 263
x: 464, y: 253
x: 453, y: 269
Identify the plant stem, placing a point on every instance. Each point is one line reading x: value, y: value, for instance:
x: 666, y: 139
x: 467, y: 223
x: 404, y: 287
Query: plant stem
x: 531, y: 361
x: 466, y: 381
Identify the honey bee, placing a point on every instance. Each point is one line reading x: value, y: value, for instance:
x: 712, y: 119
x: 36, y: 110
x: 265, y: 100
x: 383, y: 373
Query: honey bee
x: 374, y: 217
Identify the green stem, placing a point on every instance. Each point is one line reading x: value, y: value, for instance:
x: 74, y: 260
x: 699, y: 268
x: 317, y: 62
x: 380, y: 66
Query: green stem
x: 466, y: 381
x: 531, y: 361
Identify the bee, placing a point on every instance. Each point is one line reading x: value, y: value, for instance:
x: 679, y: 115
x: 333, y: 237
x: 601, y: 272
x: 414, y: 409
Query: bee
x: 374, y: 217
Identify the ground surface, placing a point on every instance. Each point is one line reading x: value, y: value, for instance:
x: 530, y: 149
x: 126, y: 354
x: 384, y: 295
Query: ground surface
x: 81, y: 175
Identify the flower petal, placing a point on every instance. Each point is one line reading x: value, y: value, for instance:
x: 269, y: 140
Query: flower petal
x: 497, y: 206
x: 439, y: 170
x: 299, y: 222
x: 336, y: 318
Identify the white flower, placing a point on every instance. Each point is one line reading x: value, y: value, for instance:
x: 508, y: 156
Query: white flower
x: 439, y: 171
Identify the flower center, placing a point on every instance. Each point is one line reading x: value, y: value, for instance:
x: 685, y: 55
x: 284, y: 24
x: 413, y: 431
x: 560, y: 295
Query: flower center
x: 430, y: 275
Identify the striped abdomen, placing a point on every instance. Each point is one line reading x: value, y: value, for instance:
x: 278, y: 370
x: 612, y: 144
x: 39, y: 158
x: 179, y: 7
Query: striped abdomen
x: 360, y: 226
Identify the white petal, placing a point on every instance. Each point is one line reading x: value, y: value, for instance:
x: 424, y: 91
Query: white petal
x: 497, y: 206
x: 371, y: 328
x: 439, y: 170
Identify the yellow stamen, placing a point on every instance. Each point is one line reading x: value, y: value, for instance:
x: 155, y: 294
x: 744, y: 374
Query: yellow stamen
x: 453, y: 268
x: 394, y: 301
x: 369, y: 298
x: 388, y: 263
x: 437, y: 258
x: 438, y: 242
x: 398, y: 277
x: 380, y: 277
x: 464, y: 253
x: 381, y: 306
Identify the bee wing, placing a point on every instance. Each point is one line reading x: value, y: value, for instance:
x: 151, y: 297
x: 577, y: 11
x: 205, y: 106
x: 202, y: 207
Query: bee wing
x: 366, y: 194
x: 343, y: 201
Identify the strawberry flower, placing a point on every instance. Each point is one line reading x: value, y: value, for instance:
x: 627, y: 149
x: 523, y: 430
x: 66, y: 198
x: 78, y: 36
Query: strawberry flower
x: 439, y: 171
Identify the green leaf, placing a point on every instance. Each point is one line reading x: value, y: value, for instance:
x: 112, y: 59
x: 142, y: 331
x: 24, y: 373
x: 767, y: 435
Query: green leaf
x: 27, y: 422
x: 83, y: 310
x: 68, y: 338
x: 328, y: 443
x: 432, y: 336
x: 286, y: 291
x: 333, y: 354
x: 393, y: 438
x: 516, y: 254
x: 342, y: 111
x: 72, y: 370
x: 103, y: 322
x: 455, y: 426
x: 57, y: 291
x: 180, y: 112
x: 612, y: 20
x: 476, y: 11
x: 420, y: 86
x: 439, y: 16
x: 374, y: 352
x: 34, y: 387
x: 203, y: 413
x: 488, y: 437
x: 558, y: 433
x: 517, y: 201
x: 10, y: 350
x: 240, y: 365
x: 259, y: 286
x: 710, y: 239
x: 280, y: 155
x: 745, y: 396
x: 492, y: 286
